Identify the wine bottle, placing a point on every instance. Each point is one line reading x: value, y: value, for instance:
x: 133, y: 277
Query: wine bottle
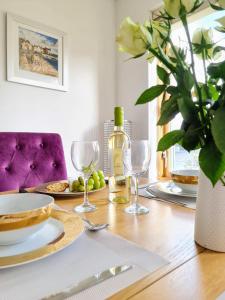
x: 119, y: 141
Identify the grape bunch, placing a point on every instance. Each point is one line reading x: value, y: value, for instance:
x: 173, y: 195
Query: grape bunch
x: 95, y: 182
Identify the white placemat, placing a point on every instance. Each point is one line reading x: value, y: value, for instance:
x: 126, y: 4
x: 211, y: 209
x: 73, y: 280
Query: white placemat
x: 91, y: 253
x: 221, y: 296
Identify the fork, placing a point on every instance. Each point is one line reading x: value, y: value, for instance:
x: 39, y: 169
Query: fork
x: 94, y: 227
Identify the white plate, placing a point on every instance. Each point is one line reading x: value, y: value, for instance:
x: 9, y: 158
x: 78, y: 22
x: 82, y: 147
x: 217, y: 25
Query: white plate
x: 49, y: 232
x: 169, y: 187
x: 42, y: 189
x: 59, y: 232
x: 16, y: 236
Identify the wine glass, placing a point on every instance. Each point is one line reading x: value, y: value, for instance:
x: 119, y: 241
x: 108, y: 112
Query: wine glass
x: 136, y: 161
x: 85, y: 156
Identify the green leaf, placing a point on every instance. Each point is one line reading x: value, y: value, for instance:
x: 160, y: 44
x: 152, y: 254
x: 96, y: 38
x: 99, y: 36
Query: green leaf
x: 165, y: 59
x: 221, y: 99
x: 168, y: 111
x: 191, y: 138
x: 187, y: 108
x: 170, y: 139
x: 172, y: 90
x: 218, y: 129
x: 215, y: 7
x: 213, y: 92
x: 220, y: 29
x: 212, y: 162
x: 217, y: 70
x: 150, y: 94
x: 163, y: 75
x: 218, y: 49
x: 184, y: 78
x: 137, y: 56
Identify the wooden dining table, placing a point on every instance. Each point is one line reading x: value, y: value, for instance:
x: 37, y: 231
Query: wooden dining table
x: 193, y: 272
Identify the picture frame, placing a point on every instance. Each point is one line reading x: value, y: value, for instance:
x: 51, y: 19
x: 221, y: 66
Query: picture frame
x: 36, y: 54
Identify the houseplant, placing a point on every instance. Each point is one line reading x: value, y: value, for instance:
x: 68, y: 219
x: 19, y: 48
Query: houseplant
x: 201, y: 104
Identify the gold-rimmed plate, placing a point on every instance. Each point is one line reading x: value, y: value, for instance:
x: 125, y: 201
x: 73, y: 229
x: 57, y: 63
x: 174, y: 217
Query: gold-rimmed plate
x: 60, y: 231
x: 43, y: 190
x: 169, y: 187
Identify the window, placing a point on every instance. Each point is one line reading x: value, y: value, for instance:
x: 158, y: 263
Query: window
x: 177, y: 157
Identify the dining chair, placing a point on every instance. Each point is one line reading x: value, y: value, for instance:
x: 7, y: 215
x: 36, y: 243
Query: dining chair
x: 28, y: 159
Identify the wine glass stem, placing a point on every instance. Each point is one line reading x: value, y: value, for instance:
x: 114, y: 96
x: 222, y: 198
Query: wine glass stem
x: 86, y: 202
x: 136, y: 190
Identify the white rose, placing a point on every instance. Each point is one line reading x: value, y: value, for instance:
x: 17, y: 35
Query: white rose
x: 159, y: 33
x: 203, y: 42
x: 172, y: 7
x: 202, y: 34
x: 132, y: 38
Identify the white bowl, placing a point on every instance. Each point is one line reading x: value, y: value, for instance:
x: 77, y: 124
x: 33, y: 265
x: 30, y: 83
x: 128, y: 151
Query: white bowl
x: 22, y: 215
x: 187, y: 180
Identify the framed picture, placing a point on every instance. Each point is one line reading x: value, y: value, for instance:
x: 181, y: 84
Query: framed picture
x: 36, y: 54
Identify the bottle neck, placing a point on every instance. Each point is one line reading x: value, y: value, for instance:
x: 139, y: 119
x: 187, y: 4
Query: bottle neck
x: 118, y: 128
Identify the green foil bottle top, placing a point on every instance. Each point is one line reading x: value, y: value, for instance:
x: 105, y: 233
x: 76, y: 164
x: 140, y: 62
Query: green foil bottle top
x: 118, y: 116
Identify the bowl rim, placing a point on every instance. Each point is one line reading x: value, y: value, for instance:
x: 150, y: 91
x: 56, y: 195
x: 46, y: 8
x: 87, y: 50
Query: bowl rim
x: 177, y: 172
x: 50, y: 203
x: 184, y: 179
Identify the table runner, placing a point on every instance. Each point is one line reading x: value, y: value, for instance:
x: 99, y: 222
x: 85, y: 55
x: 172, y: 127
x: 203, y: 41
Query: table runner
x: 89, y: 254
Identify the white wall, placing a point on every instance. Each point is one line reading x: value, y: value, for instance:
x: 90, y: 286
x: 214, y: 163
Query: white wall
x: 134, y: 76
x: 79, y: 113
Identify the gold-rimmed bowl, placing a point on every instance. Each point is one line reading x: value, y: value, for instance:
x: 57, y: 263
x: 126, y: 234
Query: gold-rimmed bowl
x: 187, y: 179
x: 22, y: 215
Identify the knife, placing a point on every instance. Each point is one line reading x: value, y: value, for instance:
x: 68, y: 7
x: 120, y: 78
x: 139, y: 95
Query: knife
x: 150, y: 192
x: 89, y: 282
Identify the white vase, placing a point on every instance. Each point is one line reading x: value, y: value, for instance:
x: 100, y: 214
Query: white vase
x: 210, y: 215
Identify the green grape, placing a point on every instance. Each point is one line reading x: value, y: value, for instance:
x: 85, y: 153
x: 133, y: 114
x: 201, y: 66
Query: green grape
x: 90, y: 187
x: 96, y: 177
x: 101, y: 174
x: 102, y: 183
x: 81, y: 188
x: 75, y: 185
x: 97, y: 185
x: 81, y: 180
x: 91, y: 181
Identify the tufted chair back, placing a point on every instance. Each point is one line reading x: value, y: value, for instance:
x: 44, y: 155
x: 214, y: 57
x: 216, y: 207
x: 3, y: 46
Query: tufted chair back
x: 29, y: 159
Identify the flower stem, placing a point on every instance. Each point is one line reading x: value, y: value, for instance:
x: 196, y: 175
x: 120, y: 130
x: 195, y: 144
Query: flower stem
x: 222, y: 180
x: 160, y: 58
x: 204, y: 65
x: 184, y: 21
x: 205, y: 72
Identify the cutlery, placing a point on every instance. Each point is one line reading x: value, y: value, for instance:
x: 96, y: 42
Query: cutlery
x: 89, y: 282
x: 148, y: 190
x: 94, y: 227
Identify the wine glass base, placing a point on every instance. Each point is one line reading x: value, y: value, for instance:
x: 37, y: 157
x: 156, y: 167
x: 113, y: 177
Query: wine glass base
x: 137, y: 209
x: 85, y: 208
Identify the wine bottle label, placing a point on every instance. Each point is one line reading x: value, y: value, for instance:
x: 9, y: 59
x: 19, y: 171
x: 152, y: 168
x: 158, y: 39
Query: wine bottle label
x: 127, y: 161
x: 117, y: 161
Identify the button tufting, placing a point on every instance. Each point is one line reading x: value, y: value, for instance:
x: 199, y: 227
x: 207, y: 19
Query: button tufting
x: 18, y: 147
x: 7, y: 169
x: 54, y: 165
x: 42, y: 145
x: 32, y: 167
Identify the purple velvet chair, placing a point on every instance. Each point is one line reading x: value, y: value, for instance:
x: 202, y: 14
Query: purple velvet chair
x: 29, y: 159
